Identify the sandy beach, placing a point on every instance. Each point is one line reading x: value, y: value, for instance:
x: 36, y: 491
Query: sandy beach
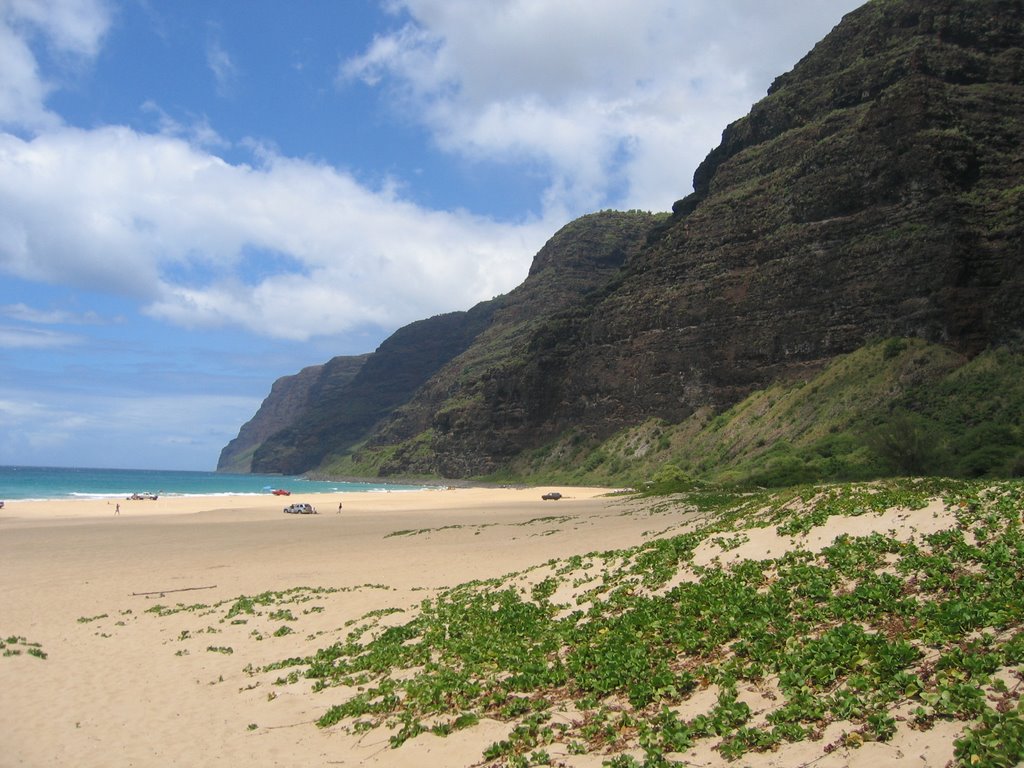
x: 146, y: 665
x: 120, y: 686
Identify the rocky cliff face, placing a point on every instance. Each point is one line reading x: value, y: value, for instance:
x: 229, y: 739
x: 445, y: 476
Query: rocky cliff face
x: 342, y: 410
x: 875, y: 191
x: 290, y: 397
x: 463, y: 412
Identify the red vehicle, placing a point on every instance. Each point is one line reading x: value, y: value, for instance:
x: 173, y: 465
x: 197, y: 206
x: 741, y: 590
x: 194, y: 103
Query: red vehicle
x: 281, y: 492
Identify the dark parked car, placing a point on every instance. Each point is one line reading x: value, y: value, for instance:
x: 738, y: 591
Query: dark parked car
x: 552, y: 496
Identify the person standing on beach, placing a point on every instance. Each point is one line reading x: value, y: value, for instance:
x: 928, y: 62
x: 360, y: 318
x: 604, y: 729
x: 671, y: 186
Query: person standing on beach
x: 117, y: 509
x: 339, y: 507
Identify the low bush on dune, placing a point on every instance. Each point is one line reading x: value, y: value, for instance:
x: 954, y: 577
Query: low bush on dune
x: 644, y: 653
x: 13, y: 645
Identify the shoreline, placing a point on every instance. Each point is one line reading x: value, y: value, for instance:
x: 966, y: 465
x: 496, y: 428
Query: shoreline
x: 386, y: 500
x: 30, y: 483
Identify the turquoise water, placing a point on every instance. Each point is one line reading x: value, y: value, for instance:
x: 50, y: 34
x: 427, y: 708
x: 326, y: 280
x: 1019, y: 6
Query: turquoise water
x: 71, y: 482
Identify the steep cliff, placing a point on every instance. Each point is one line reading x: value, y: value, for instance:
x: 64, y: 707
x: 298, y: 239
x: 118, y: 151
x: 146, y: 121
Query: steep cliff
x: 289, y: 398
x: 438, y: 431
x: 875, y: 191
x: 341, y: 410
x: 311, y: 421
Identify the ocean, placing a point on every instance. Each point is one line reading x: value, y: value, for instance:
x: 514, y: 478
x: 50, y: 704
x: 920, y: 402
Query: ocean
x: 24, y: 483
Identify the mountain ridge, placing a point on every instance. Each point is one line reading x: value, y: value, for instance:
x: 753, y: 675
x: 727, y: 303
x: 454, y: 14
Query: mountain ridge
x: 873, y: 192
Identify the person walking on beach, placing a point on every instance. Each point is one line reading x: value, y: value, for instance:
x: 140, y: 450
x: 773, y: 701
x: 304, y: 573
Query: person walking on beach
x: 117, y: 509
x: 339, y: 507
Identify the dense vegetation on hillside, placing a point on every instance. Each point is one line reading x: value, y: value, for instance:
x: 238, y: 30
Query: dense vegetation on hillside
x: 895, y: 407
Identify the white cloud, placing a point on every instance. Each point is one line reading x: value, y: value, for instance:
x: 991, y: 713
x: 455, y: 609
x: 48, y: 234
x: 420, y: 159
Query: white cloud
x: 199, y: 132
x: 27, y: 314
x: 222, y: 65
x: 620, y: 101
x: 22, y: 91
x: 191, y: 235
x: 72, y: 27
x: 34, y: 338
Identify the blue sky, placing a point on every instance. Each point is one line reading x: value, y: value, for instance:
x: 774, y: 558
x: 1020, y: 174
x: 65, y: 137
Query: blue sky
x: 200, y: 196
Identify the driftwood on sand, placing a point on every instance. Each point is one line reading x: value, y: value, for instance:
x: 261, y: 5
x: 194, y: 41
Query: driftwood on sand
x: 164, y: 591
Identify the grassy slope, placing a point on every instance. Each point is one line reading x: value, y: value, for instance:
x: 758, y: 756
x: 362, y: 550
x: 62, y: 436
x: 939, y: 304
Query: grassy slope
x: 894, y: 407
x: 899, y: 406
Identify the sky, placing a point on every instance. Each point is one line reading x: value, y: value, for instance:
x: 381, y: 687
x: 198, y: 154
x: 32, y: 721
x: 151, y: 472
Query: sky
x: 200, y: 196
